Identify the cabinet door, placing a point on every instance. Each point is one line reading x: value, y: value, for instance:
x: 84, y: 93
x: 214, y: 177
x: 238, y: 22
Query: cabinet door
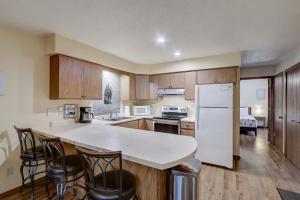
x: 221, y: 75
x: 92, y: 81
x: 153, y: 86
x: 189, y: 85
x: 149, y: 125
x: 177, y: 80
x: 164, y: 81
x: 70, y: 78
x: 188, y: 132
x: 132, y: 87
x: 142, y: 86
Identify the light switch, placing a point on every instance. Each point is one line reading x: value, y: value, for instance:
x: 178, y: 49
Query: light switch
x: 2, y: 81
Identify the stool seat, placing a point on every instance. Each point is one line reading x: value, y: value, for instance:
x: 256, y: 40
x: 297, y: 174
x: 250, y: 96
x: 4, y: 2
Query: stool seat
x: 73, y: 166
x: 99, y: 192
x: 29, y: 155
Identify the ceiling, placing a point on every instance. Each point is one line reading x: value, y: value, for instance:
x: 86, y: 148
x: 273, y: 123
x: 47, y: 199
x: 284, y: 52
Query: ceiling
x: 261, y: 29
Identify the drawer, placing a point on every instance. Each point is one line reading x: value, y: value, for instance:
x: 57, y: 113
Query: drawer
x: 188, y: 132
x: 188, y: 125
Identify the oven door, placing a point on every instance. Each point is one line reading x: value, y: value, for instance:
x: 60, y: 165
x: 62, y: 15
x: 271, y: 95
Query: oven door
x: 167, y: 126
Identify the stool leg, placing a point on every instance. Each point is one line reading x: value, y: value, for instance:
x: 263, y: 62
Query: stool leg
x: 32, y: 170
x: 75, y: 186
x: 22, y: 175
x: 47, y: 187
x: 60, y: 189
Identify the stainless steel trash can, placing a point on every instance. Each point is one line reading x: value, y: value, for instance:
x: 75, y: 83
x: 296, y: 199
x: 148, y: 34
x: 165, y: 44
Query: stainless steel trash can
x: 183, y: 180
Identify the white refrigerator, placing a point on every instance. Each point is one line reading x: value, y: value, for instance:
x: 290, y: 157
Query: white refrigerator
x: 214, y: 124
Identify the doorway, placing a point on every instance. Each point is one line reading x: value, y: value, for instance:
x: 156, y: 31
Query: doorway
x: 255, y: 106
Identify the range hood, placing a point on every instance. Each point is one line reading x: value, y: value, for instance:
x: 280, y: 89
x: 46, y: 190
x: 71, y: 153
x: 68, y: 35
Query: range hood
x: 170, y: 92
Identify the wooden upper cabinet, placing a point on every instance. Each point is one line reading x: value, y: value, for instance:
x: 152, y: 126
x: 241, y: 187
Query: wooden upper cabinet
x: 153, y: 86
x: 177, y: 80
x: 132, y: 85
x: 172, y: 80
x: 189, y: 85
x: 220, y: 75
x: 92, y: 86
x: 142, y: 86
x: 71, y: 78
x: 164, y: 81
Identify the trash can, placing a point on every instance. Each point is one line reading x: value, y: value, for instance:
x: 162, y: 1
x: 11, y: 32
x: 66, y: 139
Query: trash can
x: 183, y: 180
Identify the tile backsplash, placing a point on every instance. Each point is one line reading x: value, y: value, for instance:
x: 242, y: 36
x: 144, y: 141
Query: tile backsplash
x: 163, y: 101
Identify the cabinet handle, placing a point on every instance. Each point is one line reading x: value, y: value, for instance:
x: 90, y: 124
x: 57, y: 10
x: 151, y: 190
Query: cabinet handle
x: 83, y: 96
x: 280, y: 117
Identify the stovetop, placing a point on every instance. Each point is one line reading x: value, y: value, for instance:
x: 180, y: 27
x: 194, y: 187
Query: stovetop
x: 172, y: 113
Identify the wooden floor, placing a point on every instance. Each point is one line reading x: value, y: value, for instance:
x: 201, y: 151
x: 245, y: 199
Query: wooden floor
x: 256, y: 176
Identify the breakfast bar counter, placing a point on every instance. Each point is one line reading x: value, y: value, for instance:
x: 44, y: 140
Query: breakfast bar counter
x: 148, y: 155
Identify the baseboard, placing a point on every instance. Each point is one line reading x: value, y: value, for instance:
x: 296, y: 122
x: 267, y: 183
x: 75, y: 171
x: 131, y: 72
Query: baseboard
x: 18, y: 189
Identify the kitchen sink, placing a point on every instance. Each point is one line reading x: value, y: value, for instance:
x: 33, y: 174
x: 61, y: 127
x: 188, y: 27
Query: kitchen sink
x: 116, y: 118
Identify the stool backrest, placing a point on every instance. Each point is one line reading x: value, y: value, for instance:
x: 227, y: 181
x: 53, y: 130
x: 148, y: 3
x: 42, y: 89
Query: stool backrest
x: 96, y: 163
x: 53, y: 151
x: 27, y: 141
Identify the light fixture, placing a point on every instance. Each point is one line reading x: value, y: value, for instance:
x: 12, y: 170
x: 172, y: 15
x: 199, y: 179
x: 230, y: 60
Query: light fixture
x: 160, y: 40
x: 177, y: 53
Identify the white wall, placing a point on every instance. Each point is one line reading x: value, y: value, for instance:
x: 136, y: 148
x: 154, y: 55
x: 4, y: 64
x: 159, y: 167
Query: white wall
x: 26, y: 68
x: 248, y: 90
x: 224, y: 60
x: 248, y: 72
x: 291, y: 58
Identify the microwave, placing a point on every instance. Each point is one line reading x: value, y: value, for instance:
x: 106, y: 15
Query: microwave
x: 141, y: 110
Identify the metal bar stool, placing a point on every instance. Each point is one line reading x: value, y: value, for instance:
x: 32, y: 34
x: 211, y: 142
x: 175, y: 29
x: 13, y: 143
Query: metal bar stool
x: 104, y: 176
x: 60, y: 168
x: 31, y: 155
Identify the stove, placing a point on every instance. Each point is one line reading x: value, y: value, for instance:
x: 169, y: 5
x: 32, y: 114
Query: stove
x: 169, y: 120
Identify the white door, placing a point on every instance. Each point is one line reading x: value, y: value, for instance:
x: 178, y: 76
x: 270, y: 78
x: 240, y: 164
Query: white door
x: 215, y: 95
x: 214, y: 135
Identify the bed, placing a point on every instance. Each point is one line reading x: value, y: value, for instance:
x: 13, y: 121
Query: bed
x: 247, y: 121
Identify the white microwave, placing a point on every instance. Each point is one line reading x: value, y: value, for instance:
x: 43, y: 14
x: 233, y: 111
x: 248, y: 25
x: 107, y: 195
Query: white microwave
x: 141, y: 110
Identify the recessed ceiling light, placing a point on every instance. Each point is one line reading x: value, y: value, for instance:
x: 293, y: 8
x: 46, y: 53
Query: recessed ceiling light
x: 160, y: 39
x: 177, y: 53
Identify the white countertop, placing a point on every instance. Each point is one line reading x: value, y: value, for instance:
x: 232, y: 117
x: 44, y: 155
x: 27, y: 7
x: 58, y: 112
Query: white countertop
x: 153, y: 149
x: 188, y: 119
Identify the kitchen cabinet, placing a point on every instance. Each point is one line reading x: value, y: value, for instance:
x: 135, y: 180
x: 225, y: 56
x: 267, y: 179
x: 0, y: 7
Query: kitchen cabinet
x: 71, y: 78
x: 142, y: 124
x: 153, y: 86
x: 142, y: 87
x: 131, y: 124
x: 188, y: 129
x: 189, y: 85
x: 172, y: 80
x: 220, y: 75
x: 132, y: 85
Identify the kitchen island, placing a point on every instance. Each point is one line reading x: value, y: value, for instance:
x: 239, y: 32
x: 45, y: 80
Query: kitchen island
x: 148, y: 155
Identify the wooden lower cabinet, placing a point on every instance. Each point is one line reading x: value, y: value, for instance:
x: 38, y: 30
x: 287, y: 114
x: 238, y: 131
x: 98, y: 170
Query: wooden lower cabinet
x: 132, y: 124
x: 142, y: 124
x: 187, y: 129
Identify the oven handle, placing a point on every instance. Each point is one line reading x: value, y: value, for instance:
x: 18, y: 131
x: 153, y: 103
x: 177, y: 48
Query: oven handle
x: 169, y: 122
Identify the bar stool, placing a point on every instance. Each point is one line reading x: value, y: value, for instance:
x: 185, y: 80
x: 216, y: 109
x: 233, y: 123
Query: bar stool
x: 104, y: 177
x: 31, y: 155
x: 60, y: 168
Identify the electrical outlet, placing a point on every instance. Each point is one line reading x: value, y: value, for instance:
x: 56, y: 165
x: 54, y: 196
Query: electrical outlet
x: 9, y: 171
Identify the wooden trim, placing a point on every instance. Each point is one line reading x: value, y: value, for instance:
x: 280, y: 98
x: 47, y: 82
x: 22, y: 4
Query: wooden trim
x: 100, y: 65
x: 293, y: 67
x: 17, y: 189
x: 256, y: 77
x: 195, y: 70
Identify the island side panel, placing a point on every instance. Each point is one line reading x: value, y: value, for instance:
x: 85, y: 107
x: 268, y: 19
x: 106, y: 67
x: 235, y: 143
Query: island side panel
x: 151, y: 183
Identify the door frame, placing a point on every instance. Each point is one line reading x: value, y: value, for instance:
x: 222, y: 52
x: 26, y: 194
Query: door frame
x: 270, y: 104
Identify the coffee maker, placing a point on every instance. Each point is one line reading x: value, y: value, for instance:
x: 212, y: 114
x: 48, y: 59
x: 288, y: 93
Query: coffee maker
x: 86, y: 115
